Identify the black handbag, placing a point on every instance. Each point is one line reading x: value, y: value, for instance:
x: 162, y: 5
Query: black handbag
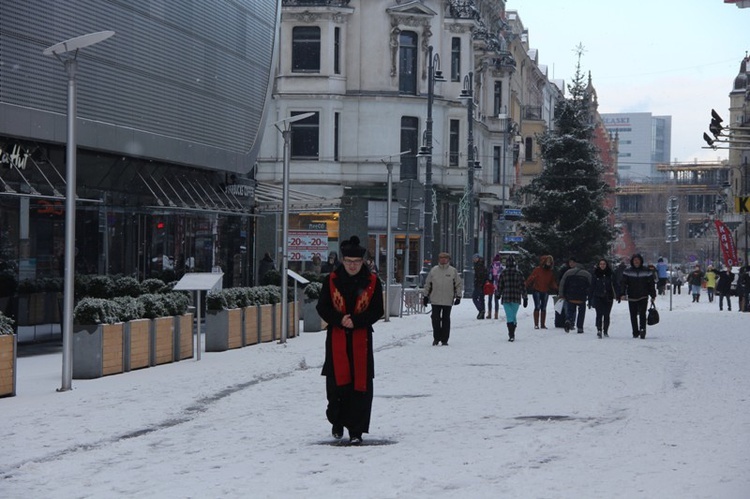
x: 653, y: 316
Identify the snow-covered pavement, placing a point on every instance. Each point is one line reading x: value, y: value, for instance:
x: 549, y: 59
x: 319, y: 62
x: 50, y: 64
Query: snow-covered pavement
x: 553, y: 415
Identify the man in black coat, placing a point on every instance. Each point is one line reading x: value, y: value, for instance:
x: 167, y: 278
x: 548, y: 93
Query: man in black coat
x: 724, y: 288
x: 637, y: 285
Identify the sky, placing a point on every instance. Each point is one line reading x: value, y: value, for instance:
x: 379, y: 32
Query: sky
x: 676, y: 58
x: 552, y: 415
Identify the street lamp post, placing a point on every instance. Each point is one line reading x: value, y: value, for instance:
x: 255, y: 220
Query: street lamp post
x: 67, y: 53
x: 467, y: 93
x: 286, y: 134
x: 434, y: 74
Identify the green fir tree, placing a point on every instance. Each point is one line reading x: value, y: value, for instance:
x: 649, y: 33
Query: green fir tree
x: 566, y: 215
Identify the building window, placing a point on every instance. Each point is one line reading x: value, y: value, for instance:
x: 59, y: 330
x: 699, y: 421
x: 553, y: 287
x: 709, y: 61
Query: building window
x: 407, y: 63
x: 306, y: 49
x: 455, y: 59
x: 336, y: 132
x: 528, y: 149
x: 498, y: 98
x: 409, y: 142
x: 305, y: 137
x: 497, y: 164
x: 453, y: 140
x: 337, y: 51
x: 629, y: 204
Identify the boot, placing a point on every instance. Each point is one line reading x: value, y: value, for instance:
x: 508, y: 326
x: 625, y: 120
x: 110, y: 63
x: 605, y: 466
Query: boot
x: 495, y: 314
x: 598, y: 333
x: 511, y: 331
x: 542, y: 318
x: 480, y: 315
x: 489, y: 315
x: 536, y: 319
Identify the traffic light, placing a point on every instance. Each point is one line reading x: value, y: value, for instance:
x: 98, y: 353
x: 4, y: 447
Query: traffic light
x: 715, y: 127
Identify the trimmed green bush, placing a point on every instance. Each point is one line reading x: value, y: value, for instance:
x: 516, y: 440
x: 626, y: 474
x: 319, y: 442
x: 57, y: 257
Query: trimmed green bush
x: 101, y: 286
x: 152, y: 285
x: 312, y: 290
x: 95, y: 311
x: 127, y: 286
x: 128, y: 308
x: 6, y: 324
x: 153, y: 305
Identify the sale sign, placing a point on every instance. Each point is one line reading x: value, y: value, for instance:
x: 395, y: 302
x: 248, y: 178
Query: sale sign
x: 304, y: 245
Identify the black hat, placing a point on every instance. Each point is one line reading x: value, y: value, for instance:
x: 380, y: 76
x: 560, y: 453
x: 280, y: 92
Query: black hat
x: 352, y: 249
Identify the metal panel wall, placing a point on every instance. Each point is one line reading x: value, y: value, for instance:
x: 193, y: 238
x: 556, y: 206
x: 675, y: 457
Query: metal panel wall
x: 182, y: 80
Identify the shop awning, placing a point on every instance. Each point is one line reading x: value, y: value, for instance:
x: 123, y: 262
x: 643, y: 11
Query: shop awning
x: 269, y: 198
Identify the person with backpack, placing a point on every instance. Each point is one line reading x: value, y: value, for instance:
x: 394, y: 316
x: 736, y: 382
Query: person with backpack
x: 637, y: 285
x: 574, y: 288
x: 602, y: 294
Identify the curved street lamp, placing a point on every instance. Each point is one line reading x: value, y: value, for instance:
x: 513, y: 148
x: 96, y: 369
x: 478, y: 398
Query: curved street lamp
x: 67, y: 53
x: 467, y: 93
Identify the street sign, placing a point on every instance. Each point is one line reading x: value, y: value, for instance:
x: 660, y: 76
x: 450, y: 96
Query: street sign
x: 742, y: 204
x: 513, y: 239
x: 410, y: 219
x: 512, y: 212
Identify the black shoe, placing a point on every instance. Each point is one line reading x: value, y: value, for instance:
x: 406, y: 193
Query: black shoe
x: 355, y: 440
x: 636, y: 335
x: 512, y: 339
x: 337, y: 431
x: 435, y: 342
x: 568, y: 327
x: 480, y: 315
x: 598, y: 334
x: 580, y: 331
x: 643, y: 334
x: 445, y: 343
x: 606, y: 335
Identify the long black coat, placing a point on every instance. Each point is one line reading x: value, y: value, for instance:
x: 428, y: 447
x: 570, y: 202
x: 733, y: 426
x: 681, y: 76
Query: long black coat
x: 350, y: 287
x: 603, y: 286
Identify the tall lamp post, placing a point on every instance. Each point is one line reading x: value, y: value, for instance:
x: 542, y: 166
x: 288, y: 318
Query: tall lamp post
x: 467, y: 93
x: 67, y: 53
x: 434, y: 74
x: 285, y: 127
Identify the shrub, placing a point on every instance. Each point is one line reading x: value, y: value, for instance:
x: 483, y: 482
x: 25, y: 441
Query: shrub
x: 95, y: 311
x: 176, y: 303
x: 274, y: 294
x: 153, y: 305
x: 28, y: 286
x: 216, y: 300
x: 81, y: 285
x: 128, y: 308
x: 101, y: 286
x: 312, y: 290
x: 152, y: 285
x: 272, y: 277
x: 127, y: 286
x: 6, y: 324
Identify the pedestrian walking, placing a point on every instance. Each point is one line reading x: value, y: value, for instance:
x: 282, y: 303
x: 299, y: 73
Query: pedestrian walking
x: 678, y: 279
x: 494, y: 273
x: 574, y: 288
x: 637, y: 286
x: 330, y: 264
x: 512, y: 290
x: 560, y: 315
x: 695, y: 280
x: 711, y: 277
x: 480, y: 277
x: 443, y: 288
x: 743, y: 288
x: 601, y: 296
x: 266, y: 263
x: 724, y: 287
x: 542, y: 282
x: 662, y: 275
x: 351, y: 301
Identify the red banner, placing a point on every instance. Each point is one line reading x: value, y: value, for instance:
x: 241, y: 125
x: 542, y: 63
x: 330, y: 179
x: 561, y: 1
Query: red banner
x: 728, y: 249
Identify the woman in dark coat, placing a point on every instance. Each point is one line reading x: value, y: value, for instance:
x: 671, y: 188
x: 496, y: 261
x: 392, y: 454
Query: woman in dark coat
x: 351, y: 301
x: 602, y: 294
x: 637, y: 285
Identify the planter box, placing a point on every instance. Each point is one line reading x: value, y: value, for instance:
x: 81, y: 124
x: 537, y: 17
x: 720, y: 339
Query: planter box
x: 311, y: 321
x: 97, y: 350
x: 223, y: 330
x: 161, y: 336
x: 7, y: 365
x: 137, y: 343
x: 251, y: 325
x: 266, y: 323
x: 183, y: 337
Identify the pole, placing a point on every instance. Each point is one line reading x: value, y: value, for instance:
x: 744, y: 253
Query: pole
x: 71, y: 65
x: 286, y: 133
x: 427, y: 242
x: 470, y: 245
x: 388, y: 245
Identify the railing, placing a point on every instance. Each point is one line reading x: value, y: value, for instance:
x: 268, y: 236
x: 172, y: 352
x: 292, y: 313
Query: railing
x: 412, y: 301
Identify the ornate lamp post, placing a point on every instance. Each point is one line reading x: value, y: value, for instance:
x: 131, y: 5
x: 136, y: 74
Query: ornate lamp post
x: 425, y: 155
x: 467, y: 92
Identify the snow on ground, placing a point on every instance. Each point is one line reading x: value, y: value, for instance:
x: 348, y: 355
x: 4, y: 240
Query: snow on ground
x: 553, y: 415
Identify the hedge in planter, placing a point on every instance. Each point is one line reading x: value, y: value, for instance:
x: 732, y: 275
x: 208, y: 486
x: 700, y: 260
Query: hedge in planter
x: 97, y: 339
x: 8, y: 352
x: 223, y: 321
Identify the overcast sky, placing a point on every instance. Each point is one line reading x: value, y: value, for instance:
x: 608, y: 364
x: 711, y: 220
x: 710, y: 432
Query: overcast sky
x: 671, y: 57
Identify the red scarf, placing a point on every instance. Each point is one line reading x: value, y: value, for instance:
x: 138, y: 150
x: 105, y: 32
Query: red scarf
x: 341, y: 365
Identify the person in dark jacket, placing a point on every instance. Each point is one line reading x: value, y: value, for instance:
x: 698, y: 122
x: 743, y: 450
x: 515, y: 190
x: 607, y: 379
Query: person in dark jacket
x: 724, y: 287
x: 560, y: 317
x: 574, y: 288
x: 602, y: 295
x: 330, y: 264
x: 351, y: 301
x: 695, y: 279
x: 512, y: 290
x: 480, y: 277
x: 266, y: 264
x: 638, y: 285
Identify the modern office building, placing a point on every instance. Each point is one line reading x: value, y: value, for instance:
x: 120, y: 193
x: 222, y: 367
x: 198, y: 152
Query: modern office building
x: 171, y: 112
x: 645, y: 141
